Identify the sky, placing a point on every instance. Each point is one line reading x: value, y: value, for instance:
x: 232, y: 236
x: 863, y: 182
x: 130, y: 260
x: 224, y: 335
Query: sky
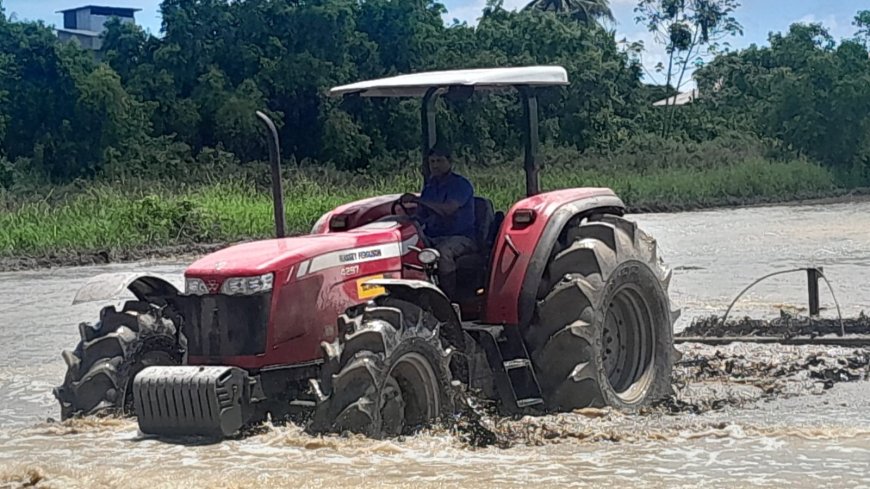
x: 758, y: 17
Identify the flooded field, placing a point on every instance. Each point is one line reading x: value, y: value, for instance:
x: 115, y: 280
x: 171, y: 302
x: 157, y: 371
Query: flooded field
x: 805, y: 436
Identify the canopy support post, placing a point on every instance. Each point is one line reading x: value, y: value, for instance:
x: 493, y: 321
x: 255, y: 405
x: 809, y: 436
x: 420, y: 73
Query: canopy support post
x: 429, y: 128
x: 530, y: 134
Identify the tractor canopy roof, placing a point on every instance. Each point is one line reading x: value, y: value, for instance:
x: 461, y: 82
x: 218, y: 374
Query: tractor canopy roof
x: 418, y: 84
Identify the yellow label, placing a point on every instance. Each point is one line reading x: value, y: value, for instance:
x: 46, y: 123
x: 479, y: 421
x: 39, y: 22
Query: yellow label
x: 366, y: 291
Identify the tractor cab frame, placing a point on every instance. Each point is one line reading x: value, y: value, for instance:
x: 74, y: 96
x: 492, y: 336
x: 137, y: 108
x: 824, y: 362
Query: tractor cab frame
x: 474, y: 269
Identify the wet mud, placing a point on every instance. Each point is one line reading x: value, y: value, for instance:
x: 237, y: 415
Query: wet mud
x: 706, y: 379
x: 784, y: 326
x: 709, y: 378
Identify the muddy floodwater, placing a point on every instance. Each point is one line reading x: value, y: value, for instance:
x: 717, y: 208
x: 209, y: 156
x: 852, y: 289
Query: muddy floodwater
x: 817, y: 438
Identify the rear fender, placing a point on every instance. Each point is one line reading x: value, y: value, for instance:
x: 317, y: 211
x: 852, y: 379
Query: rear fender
x: 429, y: 297
x: 109, y: 286
x: 521, y: 252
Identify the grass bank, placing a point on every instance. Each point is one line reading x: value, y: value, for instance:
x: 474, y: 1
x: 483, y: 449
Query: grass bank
x: 114, y: 220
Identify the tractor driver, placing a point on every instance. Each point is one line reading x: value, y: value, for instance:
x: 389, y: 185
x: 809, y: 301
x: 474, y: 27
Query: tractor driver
x: 445, y: 208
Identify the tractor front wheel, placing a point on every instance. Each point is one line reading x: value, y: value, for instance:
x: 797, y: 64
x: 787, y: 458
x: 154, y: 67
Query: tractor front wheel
x: 387, y: 375
x: 602, y: 333
x: 100, y: 372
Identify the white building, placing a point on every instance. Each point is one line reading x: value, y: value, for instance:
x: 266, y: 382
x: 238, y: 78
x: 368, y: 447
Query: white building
x: 682, y: 98
x: 85, y: 24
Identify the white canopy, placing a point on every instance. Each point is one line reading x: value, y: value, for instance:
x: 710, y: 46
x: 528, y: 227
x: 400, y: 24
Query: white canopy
x: 417, y: 84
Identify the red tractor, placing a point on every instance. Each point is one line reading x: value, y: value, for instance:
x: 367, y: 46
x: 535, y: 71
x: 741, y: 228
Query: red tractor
x: 565, y: 306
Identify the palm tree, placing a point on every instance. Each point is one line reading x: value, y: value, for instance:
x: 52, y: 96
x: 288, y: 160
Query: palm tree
x: 581, y: 10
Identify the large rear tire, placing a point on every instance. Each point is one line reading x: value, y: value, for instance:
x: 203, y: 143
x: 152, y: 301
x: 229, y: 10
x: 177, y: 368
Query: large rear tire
x: 602, y: 332
x: 101, y: 369
x: 387, y: 375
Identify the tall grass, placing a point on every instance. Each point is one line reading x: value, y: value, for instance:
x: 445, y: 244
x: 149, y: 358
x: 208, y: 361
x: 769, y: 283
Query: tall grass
x: 134, y: 214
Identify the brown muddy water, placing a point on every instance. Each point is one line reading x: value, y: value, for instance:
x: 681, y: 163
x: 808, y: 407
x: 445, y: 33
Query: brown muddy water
x: 804, y: 436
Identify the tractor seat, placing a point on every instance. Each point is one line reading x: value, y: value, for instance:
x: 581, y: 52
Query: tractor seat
x: 484, y: 218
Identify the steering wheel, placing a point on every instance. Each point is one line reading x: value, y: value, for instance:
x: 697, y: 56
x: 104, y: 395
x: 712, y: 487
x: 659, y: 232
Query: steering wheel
x: 401, y: 204
x: 412, y: 218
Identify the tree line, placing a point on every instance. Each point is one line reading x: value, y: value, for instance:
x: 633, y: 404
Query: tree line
x: 149, y: 105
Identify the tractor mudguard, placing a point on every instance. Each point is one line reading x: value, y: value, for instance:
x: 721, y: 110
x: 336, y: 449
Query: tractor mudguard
x: 428, y: 296
x: 555, y: 225
x: 521, y: 251
x: 109, y: 286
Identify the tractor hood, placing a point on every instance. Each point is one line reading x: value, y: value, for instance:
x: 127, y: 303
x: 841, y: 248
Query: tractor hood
x: 259, y: 257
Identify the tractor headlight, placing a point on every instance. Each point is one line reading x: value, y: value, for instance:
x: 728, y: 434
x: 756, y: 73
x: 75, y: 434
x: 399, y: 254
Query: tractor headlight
x: 248, y: 285
x: 195, y: 286
x: 429, y: 256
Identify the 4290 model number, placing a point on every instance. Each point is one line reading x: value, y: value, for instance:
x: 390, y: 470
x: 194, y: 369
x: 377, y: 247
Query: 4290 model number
x: 351, y: 270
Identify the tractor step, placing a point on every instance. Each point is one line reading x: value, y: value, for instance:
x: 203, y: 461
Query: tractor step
x: 517, y: 363
x: 509, y: 360
x: 532, y: 401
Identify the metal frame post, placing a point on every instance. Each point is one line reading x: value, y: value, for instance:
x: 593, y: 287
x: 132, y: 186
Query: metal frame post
x: 275, y: 160
x: 530, y: 163
x: 429, y: 129
x: 813, y: 276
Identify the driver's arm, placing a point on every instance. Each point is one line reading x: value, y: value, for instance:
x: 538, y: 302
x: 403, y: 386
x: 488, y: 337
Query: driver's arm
x: 443, y: 209
x: 456, y: 198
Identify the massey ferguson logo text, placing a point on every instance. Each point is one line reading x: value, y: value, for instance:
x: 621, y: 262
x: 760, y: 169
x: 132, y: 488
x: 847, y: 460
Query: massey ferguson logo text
x: 362, y: 255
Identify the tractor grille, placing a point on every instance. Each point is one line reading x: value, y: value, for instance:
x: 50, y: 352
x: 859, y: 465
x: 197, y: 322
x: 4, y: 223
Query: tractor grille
x: 225, y: 325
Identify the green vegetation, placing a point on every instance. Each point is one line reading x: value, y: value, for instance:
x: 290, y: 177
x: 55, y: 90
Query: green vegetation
x: 140, y: 214
x: 157, y: 144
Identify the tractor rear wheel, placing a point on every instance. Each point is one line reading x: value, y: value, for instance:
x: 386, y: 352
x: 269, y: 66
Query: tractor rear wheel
x: 100, y: 371
x: 602, y: 332
x: 387, y: 375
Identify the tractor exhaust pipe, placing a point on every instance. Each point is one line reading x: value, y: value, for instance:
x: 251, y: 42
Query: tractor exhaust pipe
x: 275, y: 160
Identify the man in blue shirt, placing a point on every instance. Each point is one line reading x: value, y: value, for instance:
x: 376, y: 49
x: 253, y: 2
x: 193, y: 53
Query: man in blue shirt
x: 446, y: 211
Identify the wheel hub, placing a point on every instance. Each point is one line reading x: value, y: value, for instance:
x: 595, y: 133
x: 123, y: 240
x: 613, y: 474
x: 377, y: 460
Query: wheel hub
x: 627, y: 343
x: 410, y: 397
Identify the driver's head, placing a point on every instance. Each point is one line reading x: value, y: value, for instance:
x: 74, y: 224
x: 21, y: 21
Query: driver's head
x: 440, y: 163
